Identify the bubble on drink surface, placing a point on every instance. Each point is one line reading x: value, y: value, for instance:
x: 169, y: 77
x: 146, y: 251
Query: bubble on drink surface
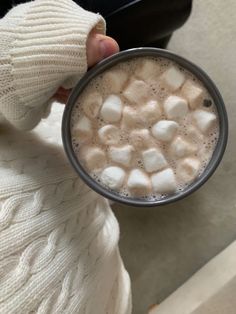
x: 207, y: 103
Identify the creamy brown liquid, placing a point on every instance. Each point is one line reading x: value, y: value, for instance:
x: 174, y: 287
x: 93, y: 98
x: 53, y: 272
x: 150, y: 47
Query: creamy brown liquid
x: 187, y: 127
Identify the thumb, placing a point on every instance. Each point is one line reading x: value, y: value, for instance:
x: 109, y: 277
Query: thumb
x: 99, y: 47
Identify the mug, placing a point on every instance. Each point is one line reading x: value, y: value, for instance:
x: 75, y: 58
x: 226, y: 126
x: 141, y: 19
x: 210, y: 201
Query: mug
x: 109, y: 63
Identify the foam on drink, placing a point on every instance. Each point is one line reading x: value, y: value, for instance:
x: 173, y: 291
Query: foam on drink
x: 174, y: 143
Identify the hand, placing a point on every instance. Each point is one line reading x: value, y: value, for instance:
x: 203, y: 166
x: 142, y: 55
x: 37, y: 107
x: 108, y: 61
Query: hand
x: 98, y: 47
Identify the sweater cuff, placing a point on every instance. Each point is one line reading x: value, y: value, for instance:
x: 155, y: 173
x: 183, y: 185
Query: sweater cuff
x: 48, y: 51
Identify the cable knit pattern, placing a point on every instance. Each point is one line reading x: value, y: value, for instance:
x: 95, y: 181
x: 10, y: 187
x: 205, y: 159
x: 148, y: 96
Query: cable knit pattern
x: 43, y: 46
x: 58, y: 239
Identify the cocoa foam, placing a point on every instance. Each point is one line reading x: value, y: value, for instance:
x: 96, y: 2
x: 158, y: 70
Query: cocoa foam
x: 187, y: 130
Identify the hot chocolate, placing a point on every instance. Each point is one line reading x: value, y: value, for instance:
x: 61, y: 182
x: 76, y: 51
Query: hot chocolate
x: 145, y: 128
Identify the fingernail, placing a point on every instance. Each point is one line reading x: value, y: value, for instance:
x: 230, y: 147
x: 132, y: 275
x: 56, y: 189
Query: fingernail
x: 105, y: 48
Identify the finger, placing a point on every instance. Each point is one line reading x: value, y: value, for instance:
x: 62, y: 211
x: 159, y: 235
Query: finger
x: 62, y: 95
x: 99, y: 47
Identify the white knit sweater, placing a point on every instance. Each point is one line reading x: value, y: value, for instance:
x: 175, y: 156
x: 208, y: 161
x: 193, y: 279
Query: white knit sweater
x: 58, y: 239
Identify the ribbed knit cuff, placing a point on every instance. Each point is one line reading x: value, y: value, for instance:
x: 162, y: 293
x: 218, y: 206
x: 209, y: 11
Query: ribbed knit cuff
x: 49, y: 51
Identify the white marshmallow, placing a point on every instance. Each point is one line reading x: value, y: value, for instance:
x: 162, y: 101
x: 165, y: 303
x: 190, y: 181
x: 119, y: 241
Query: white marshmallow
x: 175, y: 107
x: 148, y: 70
x: 93, y: 157
x: 195, y: 134
x: 138, y: 182
x: 180, y: 148
x: 83, y: 128
x: 112, y: 109
x: 130, y: 119
x: 153, y: 160
x: 204, y: 119
x: 109, y: 134
x: 113, y: 177
x: 137, y: 92
x: 192, y: 93
x: 164, y: 181
x: 140, y: 138
x: 121, y: 155
x: 173, y: 78
x: 150, y: 112
x: 165, y: 130
x: 91, y: 105
x: 115, y: 80
x: 188, y: 168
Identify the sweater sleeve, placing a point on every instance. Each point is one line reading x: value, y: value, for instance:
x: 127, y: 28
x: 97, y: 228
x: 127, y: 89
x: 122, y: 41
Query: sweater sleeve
x: 42, y: 47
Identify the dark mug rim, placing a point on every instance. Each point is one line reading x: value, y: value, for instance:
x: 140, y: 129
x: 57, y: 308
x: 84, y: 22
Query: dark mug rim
x: 124, y: 56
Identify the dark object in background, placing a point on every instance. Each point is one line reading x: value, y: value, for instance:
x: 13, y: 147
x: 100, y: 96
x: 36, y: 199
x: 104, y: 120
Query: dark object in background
x: 146, y: 22
x: 134, y: 23
x: 141, y: 23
